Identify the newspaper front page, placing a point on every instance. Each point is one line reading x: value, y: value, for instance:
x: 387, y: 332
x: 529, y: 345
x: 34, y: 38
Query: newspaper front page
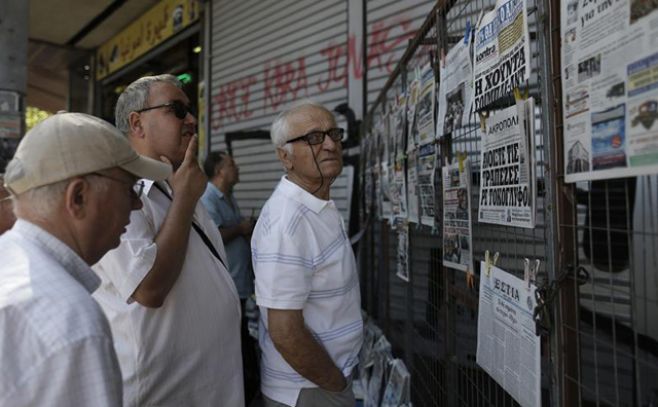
x: 507, y: 167
x: 425, y: 106
x: 426, y: 164
x: 457, y: 242
x: 455, y: 90
x: 508, y: 349
x: 609, y: 88
x: 501, y: 52
x: 412, y: 187
x: 403, y: 251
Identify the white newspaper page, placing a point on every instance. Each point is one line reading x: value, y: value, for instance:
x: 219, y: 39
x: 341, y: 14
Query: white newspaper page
x: 501, y: 52
x: 412, y: 114
x: 609, y: 88
x: 399, y: 191
x: 455, y: 90
x: 426, y: 163
x: 412, y: 187
x: 508, y: 349
x: 457, y: 242
x: 507, y: 190
x: 425, y: 106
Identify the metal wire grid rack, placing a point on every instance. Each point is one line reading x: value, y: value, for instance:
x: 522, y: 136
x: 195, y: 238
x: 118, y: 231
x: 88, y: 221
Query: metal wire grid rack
x: 602, y: 348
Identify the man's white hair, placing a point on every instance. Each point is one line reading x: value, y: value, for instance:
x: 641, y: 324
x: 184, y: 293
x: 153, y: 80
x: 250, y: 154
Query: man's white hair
x: 280, y: 130
x: 135, y: 97
x: 41, y: 202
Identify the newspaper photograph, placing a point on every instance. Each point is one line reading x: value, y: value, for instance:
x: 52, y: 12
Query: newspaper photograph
x: 507, y: 167
x: 403, y: 251
x: 507, y: 347
x: 455, y: 89
x: 425, y: 106
x: 610, y: 88
x: 501, y: 52
x: 412, y: 187
x: 457, y: 242
x: 426, y: 164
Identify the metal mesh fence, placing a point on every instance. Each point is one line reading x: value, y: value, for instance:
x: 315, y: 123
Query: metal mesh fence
x: 602, y: 347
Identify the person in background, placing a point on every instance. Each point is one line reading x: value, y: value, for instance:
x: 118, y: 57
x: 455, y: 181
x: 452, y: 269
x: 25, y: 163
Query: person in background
x: 7, y: 217
x: 172, y: 305
x: 73, y: 181
x: 311, y: 329
x: 223, y: 174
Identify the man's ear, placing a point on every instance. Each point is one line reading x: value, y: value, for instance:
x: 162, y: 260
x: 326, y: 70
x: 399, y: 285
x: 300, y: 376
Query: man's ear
x: 136, y: 125
x: 285, y: 157
x: 76, y: 197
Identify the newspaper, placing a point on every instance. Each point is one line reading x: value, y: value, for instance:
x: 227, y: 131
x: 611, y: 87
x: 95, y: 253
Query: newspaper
x: 610, y: 88
x: 399, y: 191
x: 507, y: 167
x: 412, y: 114
x: 426, y: 164
x: 425, y: 106
x: 397, y: 392
x: 455, y: 90
x: 412, y: 187
x: 508, y: 349
x: 502, y: 52
x: 403, y: 251
x: 457, y: 247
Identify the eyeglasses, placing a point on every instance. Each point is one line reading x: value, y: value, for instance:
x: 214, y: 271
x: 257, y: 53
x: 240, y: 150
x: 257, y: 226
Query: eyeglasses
x: 136, y: 188
x: 317, y: 136
x: 179, y: 108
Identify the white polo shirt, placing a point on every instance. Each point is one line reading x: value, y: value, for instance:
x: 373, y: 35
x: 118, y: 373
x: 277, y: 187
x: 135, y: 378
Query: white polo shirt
x: 55, y: 343
x: 302, y: 259
x: 187, y: 352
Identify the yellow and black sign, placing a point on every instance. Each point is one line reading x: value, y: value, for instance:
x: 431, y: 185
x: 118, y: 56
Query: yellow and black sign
x: 156, y: 25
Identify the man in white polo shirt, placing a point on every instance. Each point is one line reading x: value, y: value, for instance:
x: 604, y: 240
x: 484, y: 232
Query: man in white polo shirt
x: 306, y: 282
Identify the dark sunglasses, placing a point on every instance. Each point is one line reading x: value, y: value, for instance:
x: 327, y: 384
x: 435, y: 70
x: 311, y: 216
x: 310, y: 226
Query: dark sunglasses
x: 179, y: 108
x: 317, y: 136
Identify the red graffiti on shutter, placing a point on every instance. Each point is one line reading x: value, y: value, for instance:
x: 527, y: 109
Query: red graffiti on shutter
x: 232, y: 101
x: 284, y: 81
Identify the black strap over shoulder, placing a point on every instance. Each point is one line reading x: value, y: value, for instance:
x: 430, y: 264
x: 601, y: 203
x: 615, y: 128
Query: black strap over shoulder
x: 197, y: 228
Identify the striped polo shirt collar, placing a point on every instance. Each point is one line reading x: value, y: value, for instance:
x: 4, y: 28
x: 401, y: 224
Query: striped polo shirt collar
x: 299, y: 194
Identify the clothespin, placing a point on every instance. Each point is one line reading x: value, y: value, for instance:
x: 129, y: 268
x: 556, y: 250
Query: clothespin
x: 519, y: 95
x: 530, y: 272
x: 470, y: 278
x: 488, y: 262
x: 443, y: 59
x: 461, y: 157
x: 483, y: 120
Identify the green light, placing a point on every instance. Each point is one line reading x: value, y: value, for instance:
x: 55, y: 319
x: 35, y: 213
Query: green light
x: 185, y: 78
x: 197, y: 49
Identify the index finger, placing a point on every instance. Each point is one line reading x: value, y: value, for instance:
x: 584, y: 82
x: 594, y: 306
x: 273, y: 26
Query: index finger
x: 192, y: 147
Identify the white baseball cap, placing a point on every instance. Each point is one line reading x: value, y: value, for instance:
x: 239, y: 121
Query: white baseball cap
x: 66, y: 145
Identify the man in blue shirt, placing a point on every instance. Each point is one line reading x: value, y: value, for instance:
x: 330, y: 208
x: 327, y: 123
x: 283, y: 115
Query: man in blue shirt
x: 236, y: 231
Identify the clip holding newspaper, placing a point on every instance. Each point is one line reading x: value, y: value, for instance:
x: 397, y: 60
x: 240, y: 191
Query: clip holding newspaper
x: 507, y: 347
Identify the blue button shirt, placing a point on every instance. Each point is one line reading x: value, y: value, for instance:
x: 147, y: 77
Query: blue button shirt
x: 238, y: 250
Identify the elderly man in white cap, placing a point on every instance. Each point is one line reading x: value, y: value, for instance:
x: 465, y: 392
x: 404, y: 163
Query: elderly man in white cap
x: 73, y: 185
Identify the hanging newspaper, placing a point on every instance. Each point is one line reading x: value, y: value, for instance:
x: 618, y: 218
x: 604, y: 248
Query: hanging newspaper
x: 425, y: 106
x: 502, y: 52
x: 457, y: 247
x: 610, y: 88
x: 399, y: 191
x: 455, y: 89
x: 412, y: 114
x: 508, y: 349
x: 403, y: 251
x: 426, y: 163
x: 412, y: 186
x: 507, y: 167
